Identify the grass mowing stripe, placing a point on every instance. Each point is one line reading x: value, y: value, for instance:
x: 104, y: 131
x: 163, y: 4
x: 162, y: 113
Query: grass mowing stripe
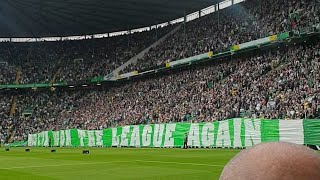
x: 56, y: 165
x: 110, y: 162
x: 170, y: 162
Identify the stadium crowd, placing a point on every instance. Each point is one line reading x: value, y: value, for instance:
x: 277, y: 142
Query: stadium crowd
x: 45, y: 62
x: 280, y: 83
x: 85, y: 59
x: 8, y: 74
x: 277, y: 83
x: 6, y: 123
x: 237, y: 24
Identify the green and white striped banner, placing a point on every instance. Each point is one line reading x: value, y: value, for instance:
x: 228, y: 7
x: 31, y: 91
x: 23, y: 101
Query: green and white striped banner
x: 230, y: 133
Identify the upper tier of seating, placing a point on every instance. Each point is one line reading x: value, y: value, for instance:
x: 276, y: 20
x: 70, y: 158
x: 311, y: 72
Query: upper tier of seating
x: 84, y: 59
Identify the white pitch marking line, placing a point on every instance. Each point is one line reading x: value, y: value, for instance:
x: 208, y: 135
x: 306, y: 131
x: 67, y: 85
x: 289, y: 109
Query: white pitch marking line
x: 170, y: 162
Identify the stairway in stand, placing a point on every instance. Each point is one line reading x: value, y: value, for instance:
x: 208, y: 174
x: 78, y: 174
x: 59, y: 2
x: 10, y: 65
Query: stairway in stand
x: 13, y: 106
x: 53, y: 80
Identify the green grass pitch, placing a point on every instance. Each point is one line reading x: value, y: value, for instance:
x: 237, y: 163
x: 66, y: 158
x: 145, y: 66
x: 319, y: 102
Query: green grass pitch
x: 113, y: 163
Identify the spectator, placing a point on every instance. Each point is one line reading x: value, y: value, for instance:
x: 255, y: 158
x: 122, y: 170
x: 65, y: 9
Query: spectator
x: 251, y: 86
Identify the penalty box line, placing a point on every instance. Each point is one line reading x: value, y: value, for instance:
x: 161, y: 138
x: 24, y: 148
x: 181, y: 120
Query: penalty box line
x: 143, y: 161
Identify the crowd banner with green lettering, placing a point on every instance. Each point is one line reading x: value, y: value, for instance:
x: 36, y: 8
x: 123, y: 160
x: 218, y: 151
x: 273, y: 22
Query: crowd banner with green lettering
x: 239, y: 132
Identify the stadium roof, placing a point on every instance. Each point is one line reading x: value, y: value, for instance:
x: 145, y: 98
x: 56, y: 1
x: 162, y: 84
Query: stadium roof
x: 41, y: 18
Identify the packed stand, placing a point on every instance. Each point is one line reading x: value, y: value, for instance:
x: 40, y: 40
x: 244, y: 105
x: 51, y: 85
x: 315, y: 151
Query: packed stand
x: 274, y: 84
x: 8, y: 74
x: 41, y: 111
x: 6, y: 122
x: 45, y: 62
x: 34, y: 60
x: 99, y: 57
x: 217, y: 32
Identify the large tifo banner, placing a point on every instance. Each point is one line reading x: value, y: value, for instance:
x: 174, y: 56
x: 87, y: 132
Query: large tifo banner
x: 230, y: 133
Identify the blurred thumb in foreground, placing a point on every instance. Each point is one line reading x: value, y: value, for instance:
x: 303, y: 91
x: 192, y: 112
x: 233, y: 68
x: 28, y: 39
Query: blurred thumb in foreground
x: 274, y: 161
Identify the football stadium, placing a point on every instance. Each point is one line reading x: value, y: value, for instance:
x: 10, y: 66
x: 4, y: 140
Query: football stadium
x: 136, y: 89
